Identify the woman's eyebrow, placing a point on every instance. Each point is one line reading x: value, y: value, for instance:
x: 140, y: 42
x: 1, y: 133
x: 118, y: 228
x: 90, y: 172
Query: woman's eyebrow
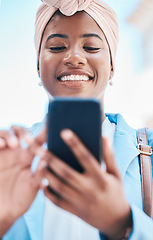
x: 57, y: 35
x: 91, y: 35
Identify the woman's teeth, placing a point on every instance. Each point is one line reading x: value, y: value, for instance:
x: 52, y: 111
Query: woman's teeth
x: 75, y: 78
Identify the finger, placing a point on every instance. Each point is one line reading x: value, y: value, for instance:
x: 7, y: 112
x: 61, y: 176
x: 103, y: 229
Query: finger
x: 84, y: 156
x: 63, y: 171
x: 58, y: 201
x: 35, y: 149
x: 60, y: 187
x: 36, y: 145
x: 2, y: 143
x: 8, y: 139
x: 109, y: 159
x: 27, y: 141
x: 22, y: 133
x: 39, y: 174
x: 41, y: 138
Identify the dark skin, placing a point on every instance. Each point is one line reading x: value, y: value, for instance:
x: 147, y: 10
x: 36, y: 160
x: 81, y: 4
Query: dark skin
x: 81, y: 50
x: 17, y: 182
x: 75, y: 189
x: 100, y: 208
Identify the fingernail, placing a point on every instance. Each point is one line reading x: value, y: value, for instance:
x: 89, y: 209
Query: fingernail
x: 45, y: 182
x: 66, y: 134
x: 24, y: 144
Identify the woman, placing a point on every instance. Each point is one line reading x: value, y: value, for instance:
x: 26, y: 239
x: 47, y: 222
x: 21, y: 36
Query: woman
x: 76, y: 45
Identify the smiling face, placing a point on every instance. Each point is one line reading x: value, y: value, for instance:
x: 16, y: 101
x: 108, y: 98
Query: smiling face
x: 74, y: 57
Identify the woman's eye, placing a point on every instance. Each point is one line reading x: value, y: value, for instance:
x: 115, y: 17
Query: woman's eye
x: 91, y: 49
x: 57, y: 49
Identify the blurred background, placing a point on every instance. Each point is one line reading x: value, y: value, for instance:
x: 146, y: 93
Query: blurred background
x: 23, y: 102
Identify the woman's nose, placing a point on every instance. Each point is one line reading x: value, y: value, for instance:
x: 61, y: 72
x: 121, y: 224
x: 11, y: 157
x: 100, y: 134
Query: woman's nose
x: 74, y: 59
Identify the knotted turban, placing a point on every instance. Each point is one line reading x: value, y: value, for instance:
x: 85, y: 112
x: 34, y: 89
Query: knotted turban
x: 101, y: 12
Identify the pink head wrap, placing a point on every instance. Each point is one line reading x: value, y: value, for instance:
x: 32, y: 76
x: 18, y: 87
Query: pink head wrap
x: 102, y: 13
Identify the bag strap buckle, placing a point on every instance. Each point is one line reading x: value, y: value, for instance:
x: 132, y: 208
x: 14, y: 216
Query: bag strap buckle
x: 145, y: 149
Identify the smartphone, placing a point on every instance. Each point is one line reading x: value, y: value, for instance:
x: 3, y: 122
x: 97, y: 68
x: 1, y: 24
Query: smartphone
x: 83, y: 117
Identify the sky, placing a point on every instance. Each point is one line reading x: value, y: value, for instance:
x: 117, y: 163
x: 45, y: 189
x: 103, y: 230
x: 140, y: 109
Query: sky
x: 22, y: 101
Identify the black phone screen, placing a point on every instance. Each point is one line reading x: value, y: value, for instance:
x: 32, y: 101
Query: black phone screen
x: 83, y: 116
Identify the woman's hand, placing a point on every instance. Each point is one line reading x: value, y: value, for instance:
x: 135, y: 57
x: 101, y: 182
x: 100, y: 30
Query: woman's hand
x: 18, y: 185
x: 8, y: 139
x: 96, y: 196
